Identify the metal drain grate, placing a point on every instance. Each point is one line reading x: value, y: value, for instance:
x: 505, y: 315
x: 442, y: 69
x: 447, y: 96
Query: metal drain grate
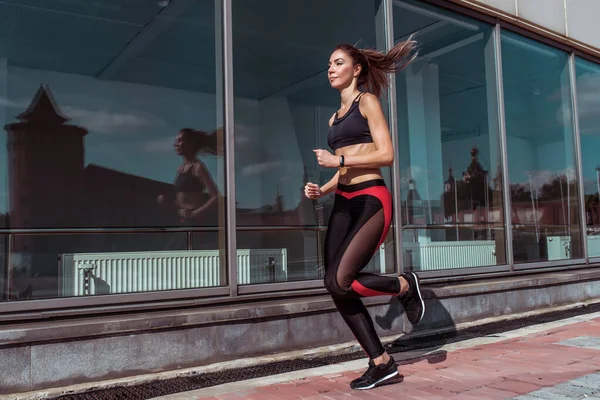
x: 183, y: 384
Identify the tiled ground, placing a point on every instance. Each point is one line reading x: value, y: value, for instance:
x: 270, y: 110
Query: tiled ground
x: 586, y: 387
x: 562, y: 363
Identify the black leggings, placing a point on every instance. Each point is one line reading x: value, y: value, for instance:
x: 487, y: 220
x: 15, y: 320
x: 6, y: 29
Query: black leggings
x: 359, y: 223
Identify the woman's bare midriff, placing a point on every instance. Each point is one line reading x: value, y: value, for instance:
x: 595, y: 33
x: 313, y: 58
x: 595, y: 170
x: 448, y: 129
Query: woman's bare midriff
x: 354, y: 175
x: 190, y: 201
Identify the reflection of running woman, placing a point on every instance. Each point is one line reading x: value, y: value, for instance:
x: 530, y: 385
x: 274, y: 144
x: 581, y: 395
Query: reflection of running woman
x: 195, y: 190
x: 362, y: 211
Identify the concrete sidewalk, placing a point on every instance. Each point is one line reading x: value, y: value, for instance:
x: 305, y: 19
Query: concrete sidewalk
x: 557, y: 360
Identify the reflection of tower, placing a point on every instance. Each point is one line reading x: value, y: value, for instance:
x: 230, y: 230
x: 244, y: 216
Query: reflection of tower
x: 476, y: 178
x: 475, y: 167
x: 45, y: 165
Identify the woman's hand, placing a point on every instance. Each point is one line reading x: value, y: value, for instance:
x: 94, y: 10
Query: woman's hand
x: 185, y: 213
x: 312, y: 191
x: 326, y: 159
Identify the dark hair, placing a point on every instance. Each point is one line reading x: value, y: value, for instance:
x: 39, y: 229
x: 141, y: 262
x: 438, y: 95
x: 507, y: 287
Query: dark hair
x: 201, y: 141
x: 377, y: 65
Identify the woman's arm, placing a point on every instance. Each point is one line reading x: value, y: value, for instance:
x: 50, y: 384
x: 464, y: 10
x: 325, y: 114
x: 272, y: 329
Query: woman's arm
x: 384, y: 155
x: 201, y: 173
x: 331, y: 185
x: 313, y: 191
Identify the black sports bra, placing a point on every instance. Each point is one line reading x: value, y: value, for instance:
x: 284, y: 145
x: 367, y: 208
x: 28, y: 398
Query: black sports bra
x: 189, y: 183
x: 351, y: 129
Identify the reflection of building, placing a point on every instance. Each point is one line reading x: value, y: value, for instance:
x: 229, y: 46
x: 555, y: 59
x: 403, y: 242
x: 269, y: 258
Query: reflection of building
x: 51, y: 187
x: 122, y: 199
x: 45, y: 166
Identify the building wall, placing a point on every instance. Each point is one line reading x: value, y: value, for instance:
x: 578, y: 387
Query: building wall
x: 576, y: 19
x: 70, y: 352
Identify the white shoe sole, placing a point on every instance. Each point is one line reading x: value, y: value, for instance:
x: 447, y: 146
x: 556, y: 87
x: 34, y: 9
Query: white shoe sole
x: 418, y: 286
x: 385, y: 378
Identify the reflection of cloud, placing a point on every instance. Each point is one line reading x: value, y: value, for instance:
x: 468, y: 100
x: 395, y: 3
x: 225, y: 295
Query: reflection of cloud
x: 544, y: 176
x: 5, y: 102
x: 588, y: 102
x: 245, y: 135
x: 105, y: 121
x: 260, y: 168
x: 242, y: 140
x: 415, y: 172
x: 163, y: 145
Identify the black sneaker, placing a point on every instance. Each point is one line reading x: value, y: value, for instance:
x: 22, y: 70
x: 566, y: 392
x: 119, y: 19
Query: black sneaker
x: 376, y: 375
x: 412, y: 301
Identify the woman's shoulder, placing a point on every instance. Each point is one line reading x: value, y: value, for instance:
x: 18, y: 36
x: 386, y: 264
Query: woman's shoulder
x: 369, y: 98
x: 199, y: 166
x: 368, y: 103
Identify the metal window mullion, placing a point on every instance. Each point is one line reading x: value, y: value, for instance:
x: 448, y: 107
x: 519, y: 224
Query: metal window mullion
x: 228, y: 121
x: 503, y: 149
x: 393, y: 124
x: 8, y: 270
x: 578, y: 156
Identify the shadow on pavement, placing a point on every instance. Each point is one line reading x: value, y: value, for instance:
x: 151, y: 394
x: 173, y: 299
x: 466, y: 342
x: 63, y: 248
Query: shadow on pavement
x: 416, y: 340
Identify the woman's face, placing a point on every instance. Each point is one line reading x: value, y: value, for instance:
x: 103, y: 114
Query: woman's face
x: 179, y: 144
x: 341, y: 70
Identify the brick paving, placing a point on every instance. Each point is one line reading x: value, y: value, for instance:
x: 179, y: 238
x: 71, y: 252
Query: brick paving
x: 561, y: 363
x: 586, y: 387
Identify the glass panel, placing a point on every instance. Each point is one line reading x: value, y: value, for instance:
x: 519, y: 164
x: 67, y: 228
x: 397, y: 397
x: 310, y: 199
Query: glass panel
x: 541, y: 151
x: 450, y: 163
x: 588, y: 100
x: 94, y: 97
x: 112, y: 117
x: 279, y: 256
x: 283, y: 103
x: 43, y: 266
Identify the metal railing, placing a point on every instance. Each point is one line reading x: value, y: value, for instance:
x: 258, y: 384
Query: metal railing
x: 10, y: 234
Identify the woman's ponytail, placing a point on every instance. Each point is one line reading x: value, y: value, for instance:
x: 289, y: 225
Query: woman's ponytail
x: 376, y: 66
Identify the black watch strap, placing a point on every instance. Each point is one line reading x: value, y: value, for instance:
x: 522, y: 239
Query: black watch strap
x: 341, y: 161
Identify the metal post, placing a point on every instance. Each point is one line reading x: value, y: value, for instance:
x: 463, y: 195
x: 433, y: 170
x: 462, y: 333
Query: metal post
x: 578, y: 158
x: 456, y: 209
x: 535, y: 217
x: 230, y: 218
x: 8, y: 266
x: 562, y: 202
x: 393, y: 124
x: 503, y: 150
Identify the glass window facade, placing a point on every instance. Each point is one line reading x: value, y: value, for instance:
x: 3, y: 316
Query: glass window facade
x: 114, y: 151
x: 283, y: 103
x: 448, y: 143
x: 111, y: 120
x: 544, y: 189
x: 588, y: 98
